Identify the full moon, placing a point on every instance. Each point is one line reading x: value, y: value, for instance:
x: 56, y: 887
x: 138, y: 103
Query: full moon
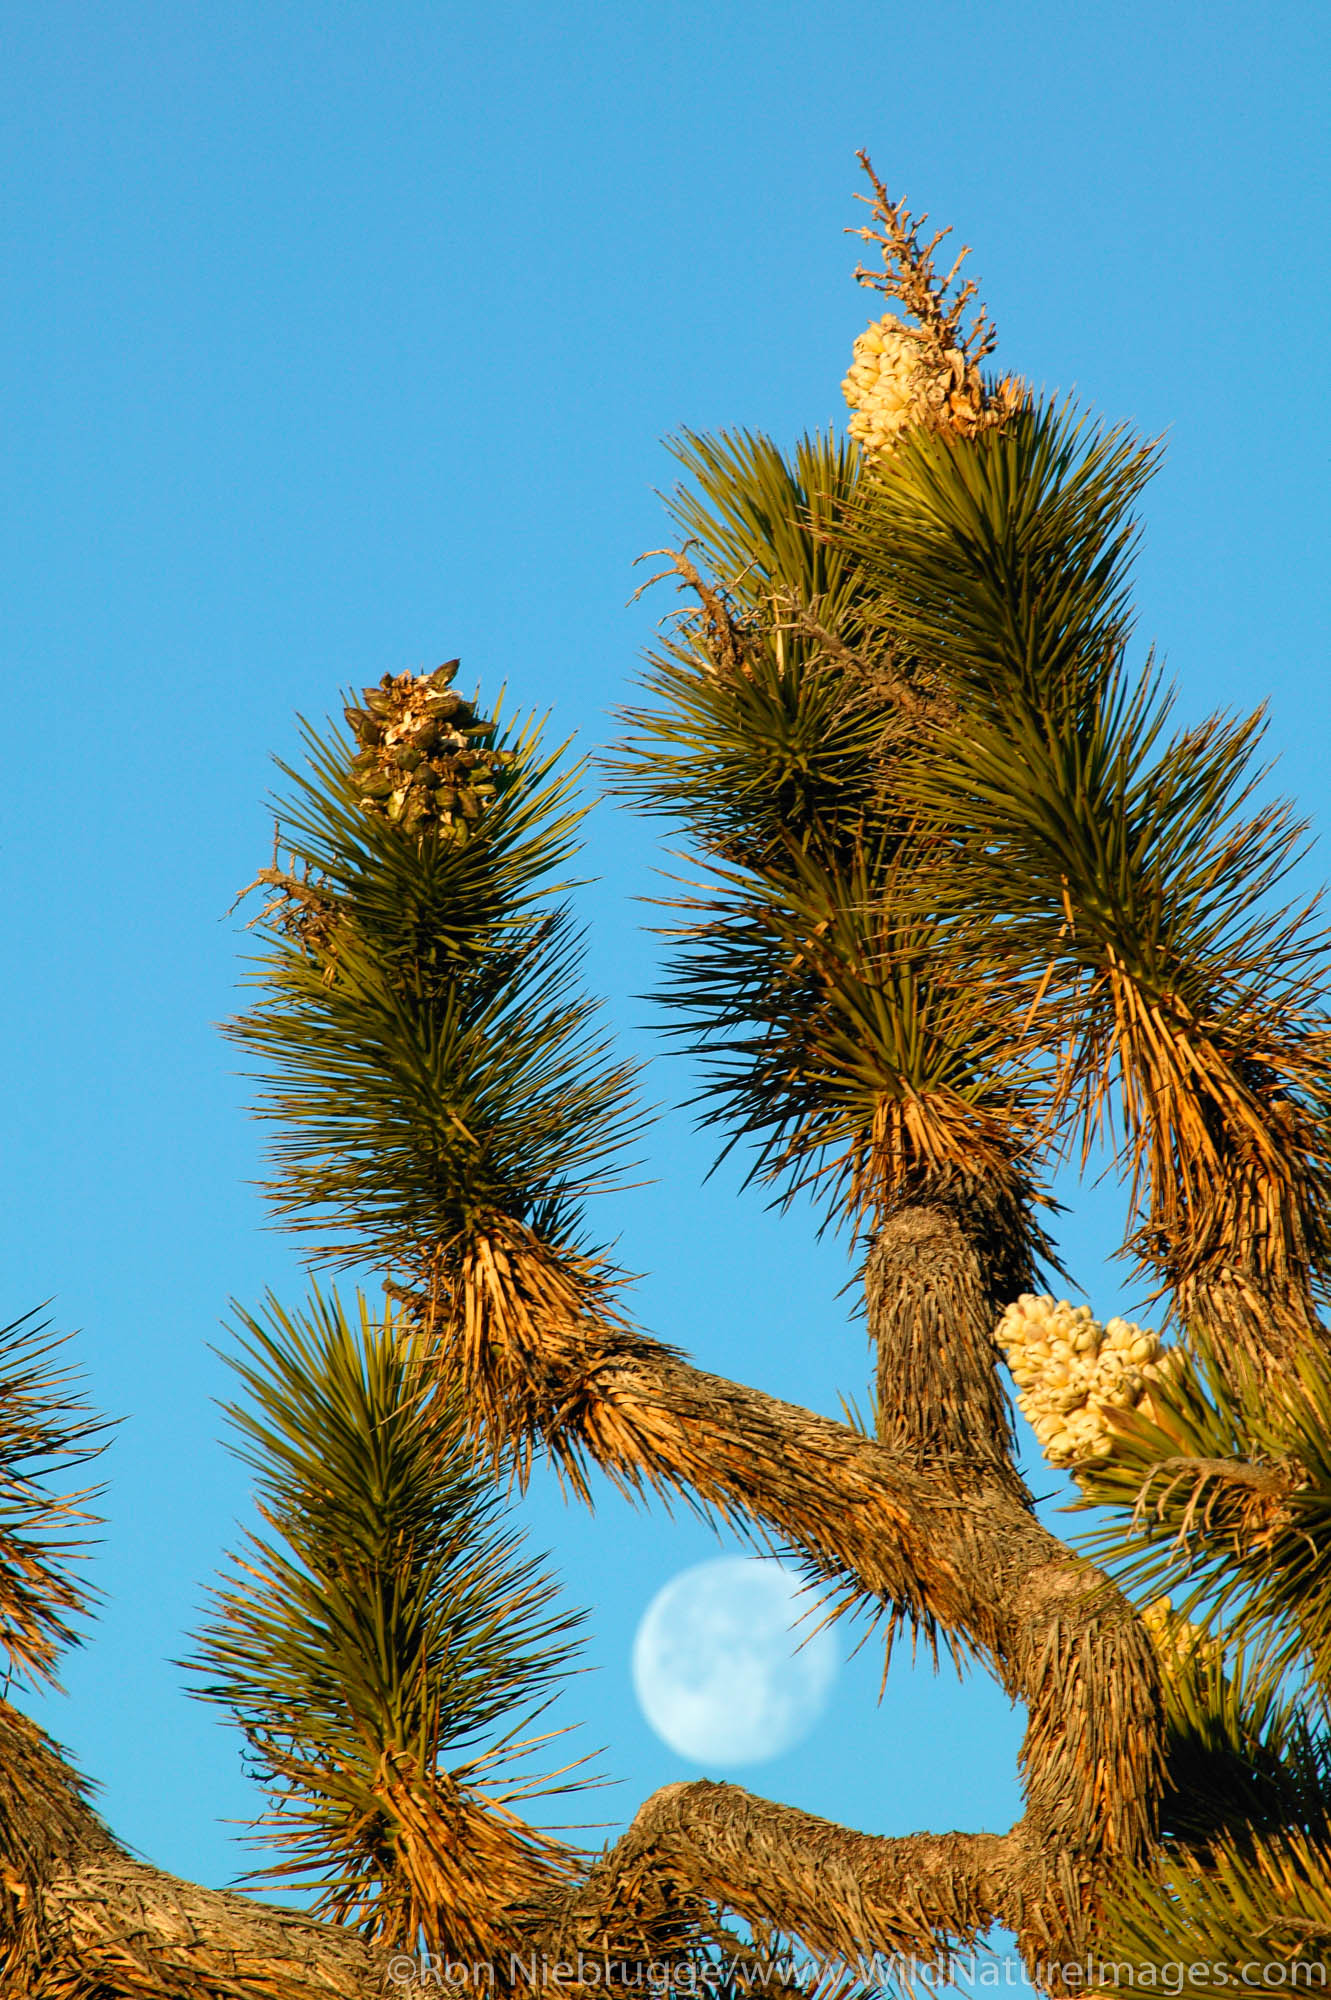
x: 723, y: 1667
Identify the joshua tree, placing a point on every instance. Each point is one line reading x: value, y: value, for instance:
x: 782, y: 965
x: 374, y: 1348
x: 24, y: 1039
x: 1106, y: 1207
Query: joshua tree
x: 964, y: 901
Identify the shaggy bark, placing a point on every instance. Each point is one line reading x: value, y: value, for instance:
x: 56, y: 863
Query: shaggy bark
x: 80, y: 1919
x: 953, y: 1547
x: 1247, y: 1325
x: 836, y: 1893
x: 956, y: 1550
x: 937, y: 1279
x: 83, y: 1918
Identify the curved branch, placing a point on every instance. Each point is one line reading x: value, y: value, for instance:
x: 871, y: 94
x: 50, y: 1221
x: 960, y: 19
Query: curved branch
x: 81, y: 1915
x: 78, y: 1915
x: 955, y: 1549
x: 841, y: 1895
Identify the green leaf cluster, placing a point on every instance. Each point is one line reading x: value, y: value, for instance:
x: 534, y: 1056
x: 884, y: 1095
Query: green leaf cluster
x: 830, y: 1033
x: 383, y: 1639
x: 1254, y: 1909
x: 1222, y: 1493
x: 1122, y: 868
x: 758, y: 734
x: 1219, y: 1493
x: 46, y: 1432
x: 426, y: 1049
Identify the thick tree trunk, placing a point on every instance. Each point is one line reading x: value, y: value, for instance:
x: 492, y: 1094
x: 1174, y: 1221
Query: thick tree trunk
x: 1247, y: 1328
x: 941, y: 1270
x: 964, y: 1558
x: 80, y: 1919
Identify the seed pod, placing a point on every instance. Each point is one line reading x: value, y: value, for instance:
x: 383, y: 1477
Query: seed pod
x: 377, y: 786
x: 378, y: 703
x: 406, y: 756
x: 468, y: 803
x: 446, y: 703
x: 442, y: 677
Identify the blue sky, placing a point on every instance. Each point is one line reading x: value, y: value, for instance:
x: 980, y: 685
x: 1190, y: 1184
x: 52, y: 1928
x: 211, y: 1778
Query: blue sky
x: 343, y: 338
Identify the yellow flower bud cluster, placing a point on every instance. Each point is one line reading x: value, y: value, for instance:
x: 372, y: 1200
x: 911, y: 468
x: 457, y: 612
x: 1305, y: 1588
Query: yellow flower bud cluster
x: 898, y: 378
x: 1177, y: 1640
x: 1069, y: 1370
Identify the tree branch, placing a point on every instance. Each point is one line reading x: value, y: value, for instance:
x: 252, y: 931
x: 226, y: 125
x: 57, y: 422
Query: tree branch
x: 955, y: 1550
x: 839, y: 1894
x: 941, y: 1270
x: 81, y: 1917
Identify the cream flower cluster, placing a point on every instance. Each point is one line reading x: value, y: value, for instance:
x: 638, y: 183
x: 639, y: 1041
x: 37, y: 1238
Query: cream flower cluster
x: 896, y: 379
x: 1069, y: 1370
